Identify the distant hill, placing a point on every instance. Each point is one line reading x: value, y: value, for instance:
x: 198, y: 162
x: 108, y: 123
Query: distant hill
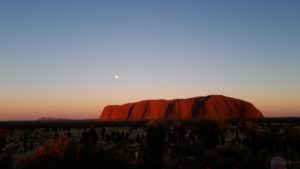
x: 52, y: 119
x: 212, y: 106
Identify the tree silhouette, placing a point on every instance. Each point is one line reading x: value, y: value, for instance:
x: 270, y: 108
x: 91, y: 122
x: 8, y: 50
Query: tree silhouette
x: 155, y: 137
x: 3, y: 135
x: 208, y: 133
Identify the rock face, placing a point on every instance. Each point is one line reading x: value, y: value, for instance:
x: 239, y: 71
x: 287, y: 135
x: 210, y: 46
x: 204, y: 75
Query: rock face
x: 198, y: 107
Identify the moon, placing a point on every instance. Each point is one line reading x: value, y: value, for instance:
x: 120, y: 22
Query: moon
x: 116, y: 77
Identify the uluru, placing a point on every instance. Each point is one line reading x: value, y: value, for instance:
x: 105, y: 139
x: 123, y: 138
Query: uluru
x: 212, y: 106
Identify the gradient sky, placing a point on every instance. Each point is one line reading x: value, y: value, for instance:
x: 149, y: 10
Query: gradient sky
x: 58, y: 58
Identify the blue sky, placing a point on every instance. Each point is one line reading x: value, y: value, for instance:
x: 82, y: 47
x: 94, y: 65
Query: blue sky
x: 58, y: 58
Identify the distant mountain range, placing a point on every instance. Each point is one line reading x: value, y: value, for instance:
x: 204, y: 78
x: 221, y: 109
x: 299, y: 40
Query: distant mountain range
x: 52, y: 119
x: 212, y: 106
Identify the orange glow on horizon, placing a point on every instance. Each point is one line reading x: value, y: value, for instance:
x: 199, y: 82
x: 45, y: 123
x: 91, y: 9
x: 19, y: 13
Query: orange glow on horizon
x: 91, y: 109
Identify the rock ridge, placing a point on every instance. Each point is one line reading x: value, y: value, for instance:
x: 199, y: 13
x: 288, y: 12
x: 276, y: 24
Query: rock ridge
x: 210, y: 106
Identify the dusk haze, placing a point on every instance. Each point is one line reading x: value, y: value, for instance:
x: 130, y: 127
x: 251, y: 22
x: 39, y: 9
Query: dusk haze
x: 70, y: 59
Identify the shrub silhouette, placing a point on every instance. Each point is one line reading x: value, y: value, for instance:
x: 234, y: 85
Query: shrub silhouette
x: 51, y: 154
x: 63, y: 153
x: 3, y: 135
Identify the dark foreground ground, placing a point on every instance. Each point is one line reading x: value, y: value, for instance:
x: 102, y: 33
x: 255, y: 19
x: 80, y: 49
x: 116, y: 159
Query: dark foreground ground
x: 184, y: 144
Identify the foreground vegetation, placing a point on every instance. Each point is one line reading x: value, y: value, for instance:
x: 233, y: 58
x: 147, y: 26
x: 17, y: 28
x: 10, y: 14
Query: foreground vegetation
x: 167, y: 145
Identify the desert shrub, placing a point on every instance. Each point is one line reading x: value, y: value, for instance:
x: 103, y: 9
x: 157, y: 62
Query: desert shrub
x: 54, y: 147
x: 63, y: 153
x: 50, y: 154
